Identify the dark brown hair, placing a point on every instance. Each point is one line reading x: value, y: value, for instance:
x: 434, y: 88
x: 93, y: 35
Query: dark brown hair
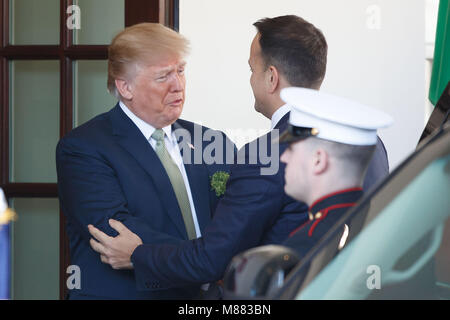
x: 295, y: 47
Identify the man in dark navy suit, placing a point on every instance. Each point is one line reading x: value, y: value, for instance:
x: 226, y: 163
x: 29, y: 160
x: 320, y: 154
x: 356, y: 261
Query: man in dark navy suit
x: 137, y: 164
x: 255, y: 210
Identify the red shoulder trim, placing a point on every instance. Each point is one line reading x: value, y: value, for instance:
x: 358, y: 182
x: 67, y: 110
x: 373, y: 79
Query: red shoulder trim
x: 325, y: 213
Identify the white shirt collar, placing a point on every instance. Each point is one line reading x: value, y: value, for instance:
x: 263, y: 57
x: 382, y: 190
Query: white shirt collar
x: 146, y: 128
x: 277, y: 115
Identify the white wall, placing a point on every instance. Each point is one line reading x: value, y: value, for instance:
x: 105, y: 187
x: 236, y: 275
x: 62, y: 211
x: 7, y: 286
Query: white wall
x: 380, y: 62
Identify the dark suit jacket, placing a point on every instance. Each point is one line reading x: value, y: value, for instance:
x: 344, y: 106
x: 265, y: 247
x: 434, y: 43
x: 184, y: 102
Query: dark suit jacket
x: 107, y: 169
x: 254, y: 211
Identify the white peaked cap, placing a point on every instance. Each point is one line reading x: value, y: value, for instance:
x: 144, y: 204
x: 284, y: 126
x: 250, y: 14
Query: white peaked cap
x: 3, y: 203
x: 331, y: 118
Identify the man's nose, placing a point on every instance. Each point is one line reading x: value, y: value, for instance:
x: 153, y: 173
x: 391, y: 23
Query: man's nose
x: 177, y: 83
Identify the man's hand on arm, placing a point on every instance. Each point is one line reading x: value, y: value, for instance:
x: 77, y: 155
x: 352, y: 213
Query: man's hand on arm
x: 115, y: 251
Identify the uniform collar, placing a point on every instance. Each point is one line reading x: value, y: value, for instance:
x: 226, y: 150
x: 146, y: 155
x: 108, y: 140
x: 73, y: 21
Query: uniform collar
x: 277, y: 115
x: 346, y: 196
x: 146, y: 128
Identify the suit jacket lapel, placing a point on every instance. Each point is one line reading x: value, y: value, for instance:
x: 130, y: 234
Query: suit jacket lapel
x: 197, y: 175
x: 132, y: 140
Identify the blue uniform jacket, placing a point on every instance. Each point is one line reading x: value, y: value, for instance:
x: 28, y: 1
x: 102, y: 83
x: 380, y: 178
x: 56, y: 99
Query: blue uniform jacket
x: 324, y: 213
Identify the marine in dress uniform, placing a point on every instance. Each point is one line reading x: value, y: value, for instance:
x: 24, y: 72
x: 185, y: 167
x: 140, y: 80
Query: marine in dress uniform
x: 344, y: 123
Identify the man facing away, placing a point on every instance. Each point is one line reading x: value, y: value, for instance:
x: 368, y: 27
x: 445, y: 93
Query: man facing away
x: 129, y: 164
x: 255, y: 210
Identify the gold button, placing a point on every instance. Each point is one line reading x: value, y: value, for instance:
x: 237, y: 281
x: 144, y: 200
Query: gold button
x: 311, y: 217
x: 318, y: 215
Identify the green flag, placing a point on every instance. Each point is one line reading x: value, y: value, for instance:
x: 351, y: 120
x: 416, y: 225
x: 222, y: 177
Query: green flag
x: 440, y: 75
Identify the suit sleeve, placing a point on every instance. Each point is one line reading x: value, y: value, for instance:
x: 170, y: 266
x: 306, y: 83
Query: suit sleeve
x: 250, y: 206
x: 90, y: 193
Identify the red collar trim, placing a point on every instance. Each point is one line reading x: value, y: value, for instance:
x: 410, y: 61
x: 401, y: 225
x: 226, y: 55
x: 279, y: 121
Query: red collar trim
x: 333, y: 194
x: 324, y: 214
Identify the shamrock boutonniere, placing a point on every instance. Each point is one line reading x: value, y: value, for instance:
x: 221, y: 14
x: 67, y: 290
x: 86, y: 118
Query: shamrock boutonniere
x: 219, y: 181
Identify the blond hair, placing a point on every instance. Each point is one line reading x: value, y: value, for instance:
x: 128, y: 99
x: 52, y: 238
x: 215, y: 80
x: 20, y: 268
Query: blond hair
x: 143, y: 43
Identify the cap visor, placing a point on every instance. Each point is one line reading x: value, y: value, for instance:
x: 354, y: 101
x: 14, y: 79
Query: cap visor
x: 286, y: 137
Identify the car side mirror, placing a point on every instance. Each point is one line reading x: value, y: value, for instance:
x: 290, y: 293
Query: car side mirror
x: 257, y: 273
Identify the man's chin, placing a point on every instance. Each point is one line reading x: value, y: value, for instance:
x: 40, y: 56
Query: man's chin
x: 256, y: 106
x: 173, y: 117
x: 174, y: 111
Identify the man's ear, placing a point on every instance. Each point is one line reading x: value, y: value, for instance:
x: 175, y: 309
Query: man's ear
x: 124, y: 88
x: 320, y: 160
x: 272, y: 79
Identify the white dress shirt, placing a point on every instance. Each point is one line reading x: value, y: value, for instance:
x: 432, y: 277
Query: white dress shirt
x: 172, y: 147
x: 277, y: 115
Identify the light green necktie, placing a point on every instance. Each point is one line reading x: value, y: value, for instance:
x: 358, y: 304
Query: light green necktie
x: 176, y: 179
